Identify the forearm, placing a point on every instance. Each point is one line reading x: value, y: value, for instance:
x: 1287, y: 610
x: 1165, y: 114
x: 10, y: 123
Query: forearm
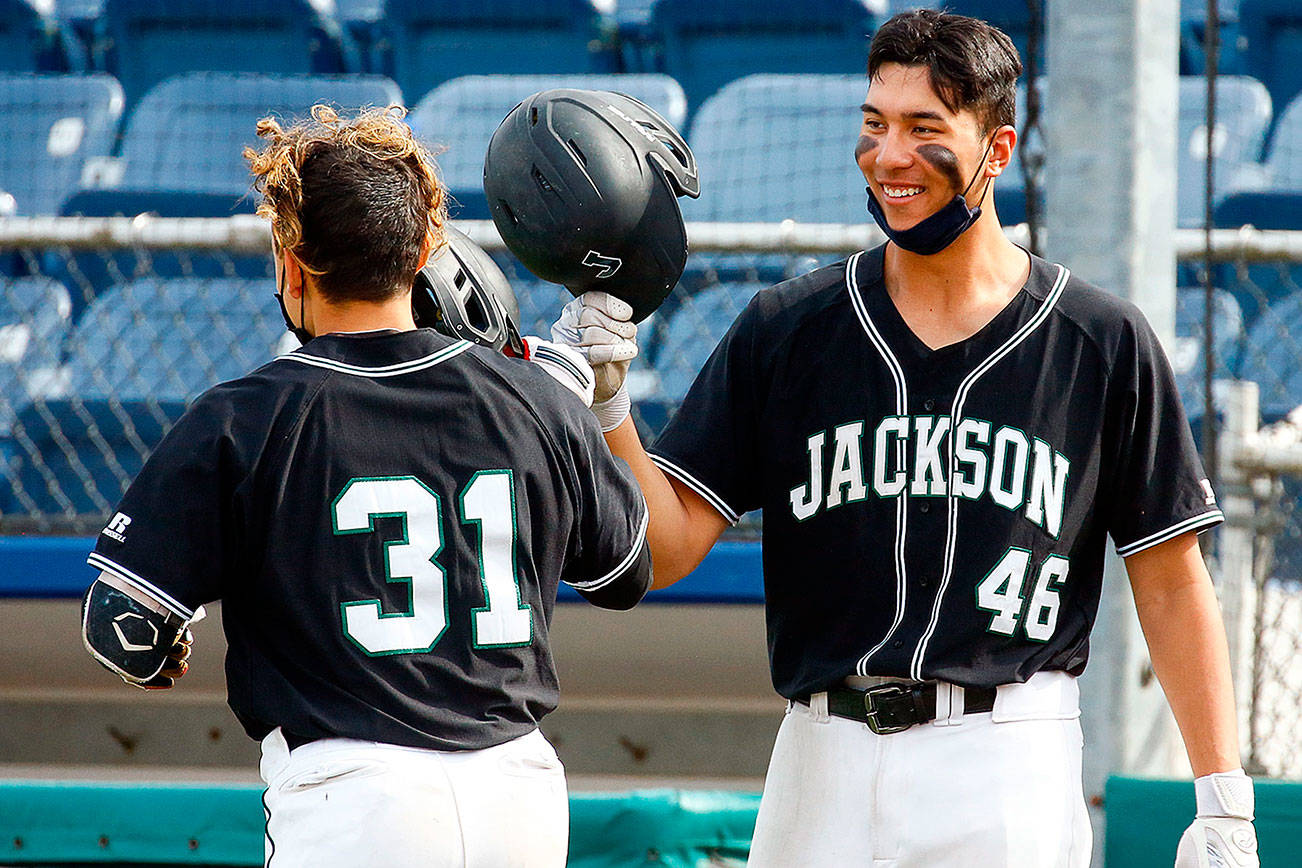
x: 1186, y: 642
x: 678, y: 532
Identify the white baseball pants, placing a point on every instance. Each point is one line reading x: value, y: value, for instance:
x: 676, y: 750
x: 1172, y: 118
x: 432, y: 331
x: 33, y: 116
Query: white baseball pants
x: 999, y: 790
x: 345, y: 803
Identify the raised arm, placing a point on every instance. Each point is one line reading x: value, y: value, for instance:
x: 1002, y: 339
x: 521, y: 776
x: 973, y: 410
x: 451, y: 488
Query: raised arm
x: 683, y: 526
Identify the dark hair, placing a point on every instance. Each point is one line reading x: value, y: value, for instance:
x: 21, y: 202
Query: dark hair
x: 351, y: 198
x: 973, y: 65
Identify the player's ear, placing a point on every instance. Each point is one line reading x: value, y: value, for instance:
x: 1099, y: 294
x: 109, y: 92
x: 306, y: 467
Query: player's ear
x: 1003, y: 142
x: 426, y: 247
x: 294, y: 274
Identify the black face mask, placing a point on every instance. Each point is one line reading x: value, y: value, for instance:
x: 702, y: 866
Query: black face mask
x: 932, y: 234
x: 299, y: 332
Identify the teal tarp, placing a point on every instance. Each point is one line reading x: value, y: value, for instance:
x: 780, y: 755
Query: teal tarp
x: 1146, y: 818
x: 73, y: 823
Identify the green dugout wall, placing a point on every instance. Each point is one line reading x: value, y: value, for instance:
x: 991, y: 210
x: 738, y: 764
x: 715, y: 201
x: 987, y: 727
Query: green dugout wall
x: 55, y: 823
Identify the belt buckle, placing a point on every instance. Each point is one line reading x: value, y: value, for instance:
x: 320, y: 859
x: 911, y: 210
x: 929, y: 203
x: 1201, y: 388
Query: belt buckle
x: 870, y: 699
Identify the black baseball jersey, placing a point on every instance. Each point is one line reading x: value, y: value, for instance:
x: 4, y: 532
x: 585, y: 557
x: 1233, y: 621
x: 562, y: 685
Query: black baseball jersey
x: 385, y: 518
x: 937, y: 513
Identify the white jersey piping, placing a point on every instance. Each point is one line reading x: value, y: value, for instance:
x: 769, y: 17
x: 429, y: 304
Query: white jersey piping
x: 901, y: 407
x: 955, y: 417
x: 382, y: 371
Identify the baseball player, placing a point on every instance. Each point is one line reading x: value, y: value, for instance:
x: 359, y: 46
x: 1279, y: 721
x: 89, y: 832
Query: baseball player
x: 942, y: 432
x: 385, y: 514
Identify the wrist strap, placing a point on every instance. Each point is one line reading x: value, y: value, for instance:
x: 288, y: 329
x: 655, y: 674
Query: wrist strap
x: 611, y: 413
x: 1225, y: 794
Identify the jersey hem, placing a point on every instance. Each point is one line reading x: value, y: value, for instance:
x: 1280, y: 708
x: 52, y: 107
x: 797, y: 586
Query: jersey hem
x: 95, y: 559
x: 720, y: 505
x: 618, y: 572
x: 1197, y: 523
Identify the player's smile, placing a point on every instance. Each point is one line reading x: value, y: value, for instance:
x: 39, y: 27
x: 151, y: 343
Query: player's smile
x: 906, y: 148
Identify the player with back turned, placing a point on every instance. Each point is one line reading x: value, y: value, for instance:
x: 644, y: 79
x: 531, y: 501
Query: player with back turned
x: 942, y: 433
x: 385, y: 514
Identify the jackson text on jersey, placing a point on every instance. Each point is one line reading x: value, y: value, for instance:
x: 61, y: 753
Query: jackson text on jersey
x: 1017, y: 471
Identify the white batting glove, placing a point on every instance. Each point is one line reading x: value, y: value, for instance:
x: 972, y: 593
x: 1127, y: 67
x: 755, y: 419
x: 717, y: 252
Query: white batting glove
x: 597, y: 325
x: 566, y: 365
x: 1222, y: 836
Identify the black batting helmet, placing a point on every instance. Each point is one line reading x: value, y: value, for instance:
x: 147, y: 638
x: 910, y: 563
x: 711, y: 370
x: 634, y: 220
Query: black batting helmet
x: 463, y: 294
x: 583, y: 186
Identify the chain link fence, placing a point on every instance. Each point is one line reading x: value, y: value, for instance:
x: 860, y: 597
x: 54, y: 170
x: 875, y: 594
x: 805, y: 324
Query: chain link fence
x: 110, y: 326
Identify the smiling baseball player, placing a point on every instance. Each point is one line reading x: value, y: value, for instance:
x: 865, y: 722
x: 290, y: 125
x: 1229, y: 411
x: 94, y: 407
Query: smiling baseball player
x: 942, y: 433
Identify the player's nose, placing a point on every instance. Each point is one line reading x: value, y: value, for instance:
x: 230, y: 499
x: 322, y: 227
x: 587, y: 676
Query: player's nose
x: 893, y: 152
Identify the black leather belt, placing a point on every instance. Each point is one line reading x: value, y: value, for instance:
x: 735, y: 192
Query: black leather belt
x: 896, y: 706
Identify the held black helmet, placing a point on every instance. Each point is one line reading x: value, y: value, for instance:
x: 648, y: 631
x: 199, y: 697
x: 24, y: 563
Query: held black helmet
x: 583, y: 186
x: 463, y: 294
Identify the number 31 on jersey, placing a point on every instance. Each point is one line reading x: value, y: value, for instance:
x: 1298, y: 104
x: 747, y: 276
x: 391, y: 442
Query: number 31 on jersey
x: 488, y: 501
x: 1000, y: 593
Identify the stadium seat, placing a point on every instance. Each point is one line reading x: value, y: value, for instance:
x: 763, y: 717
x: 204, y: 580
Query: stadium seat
x: 172, y: 339
x: 1272, y: 31
x: 76, y: 458
x: 52, y: 125
x: 779, y: 147
x: 462, y: 115
x: 435, y: 42
x: 188, y: 133
x: 691, y: 334
x: 1259, y: 284
x: 708, y: 43
x: 540, y: 304
x: 1190, y: 335
x: 1193, y: 34
x: 34, y: 318
x: 362, y: 21
x: 32, y: 40
x: 91, y: 272
x: 1272, y: 357
x: 1243, y: 111
x: 1012, y: 18
x: 1284, y: 157
x: 152, y: 40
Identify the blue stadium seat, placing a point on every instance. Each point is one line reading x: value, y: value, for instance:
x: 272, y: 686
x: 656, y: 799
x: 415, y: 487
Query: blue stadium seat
x: 1259, y: 284
x: 188, y: 133
x: 362, y: 21
x: 75, y: 457
x: 1284, y: 158
x: 1190, y: 335
x: 1272, y: 30
x: 435, y: 42
x: 1193, y: 34
x: 91, y: 272
x: 540, y: 304
x: 1012, y: 18
x: 778, y: 147
x: 1243, y: 112
x: 708, y: 43
x: 52, y: 124
x: 81, y: 20
x: 151, y: 40
x: 692, y: 333
x: 1272, y: 357
x: 34, y: 318
x: 172, y: 339
x: 462, y: 115
x: 33, y: 41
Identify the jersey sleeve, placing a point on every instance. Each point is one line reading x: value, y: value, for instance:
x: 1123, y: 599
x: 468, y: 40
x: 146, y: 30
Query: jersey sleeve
x: 171, y: 534
x: 1160, y: 490
x: 709, y: 445
x: 609, y: 563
